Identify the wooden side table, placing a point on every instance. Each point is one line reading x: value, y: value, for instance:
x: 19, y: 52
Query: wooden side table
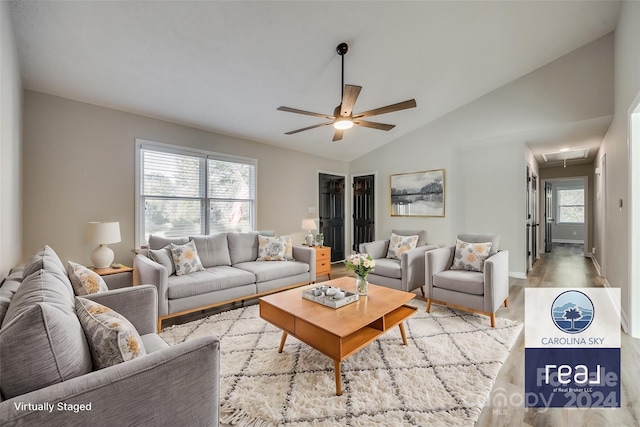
x: 323, y: 261
x: 116, y: 277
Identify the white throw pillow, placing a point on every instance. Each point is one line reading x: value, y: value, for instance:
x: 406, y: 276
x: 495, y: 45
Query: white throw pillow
x: 84, y: 280
x: 399, y: 244
x: 470, y: 256
x: 185, y: 258
x: 271, y: 249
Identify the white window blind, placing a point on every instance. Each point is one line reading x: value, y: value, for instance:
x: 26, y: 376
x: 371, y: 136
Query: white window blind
x: 570, y: 205
x: 184, y: 192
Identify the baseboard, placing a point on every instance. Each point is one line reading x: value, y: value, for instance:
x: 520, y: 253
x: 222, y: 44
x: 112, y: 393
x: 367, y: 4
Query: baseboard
x: 517, y: 275
x: 624, y: 319
x: 581, y: 242
x: 596, y: 265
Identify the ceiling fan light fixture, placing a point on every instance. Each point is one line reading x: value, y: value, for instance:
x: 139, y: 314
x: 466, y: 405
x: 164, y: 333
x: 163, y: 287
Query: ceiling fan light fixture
x: 343, y: 123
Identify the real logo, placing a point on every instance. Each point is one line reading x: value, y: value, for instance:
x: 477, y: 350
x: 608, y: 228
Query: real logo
x: 572, y: 311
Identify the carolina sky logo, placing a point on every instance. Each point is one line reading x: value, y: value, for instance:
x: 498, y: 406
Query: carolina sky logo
x: 572, y: 312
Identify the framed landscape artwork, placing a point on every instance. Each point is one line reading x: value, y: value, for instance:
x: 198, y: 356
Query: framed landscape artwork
x: 418, y: 193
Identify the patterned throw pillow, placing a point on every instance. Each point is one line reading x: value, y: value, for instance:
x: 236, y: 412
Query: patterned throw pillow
x: 112, y: 338
x: 399, y: 244
x: 185, y: 258
x: 84, y: 280
x: 271, y: 249
x: 288, y: 247
x: 470, y: 256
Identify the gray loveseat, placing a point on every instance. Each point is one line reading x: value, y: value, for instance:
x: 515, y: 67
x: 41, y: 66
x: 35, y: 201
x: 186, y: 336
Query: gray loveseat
x: 46, y: 370
x: 231, y: 272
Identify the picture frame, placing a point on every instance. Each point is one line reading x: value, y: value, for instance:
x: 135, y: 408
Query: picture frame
x: 418, y: 193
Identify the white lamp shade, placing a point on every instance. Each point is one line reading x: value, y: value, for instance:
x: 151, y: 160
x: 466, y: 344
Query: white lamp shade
x: 309, y: 224
x: 103, y: 233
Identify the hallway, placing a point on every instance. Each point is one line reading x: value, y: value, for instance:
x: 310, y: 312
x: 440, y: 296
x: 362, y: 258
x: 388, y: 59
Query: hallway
x: 565, y: 266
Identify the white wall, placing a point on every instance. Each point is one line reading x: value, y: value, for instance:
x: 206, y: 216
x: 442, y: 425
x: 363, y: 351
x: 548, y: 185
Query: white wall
x: 79, y: 167
x: 482, y: 149
x: 10, y: 146
x: 614, y: 146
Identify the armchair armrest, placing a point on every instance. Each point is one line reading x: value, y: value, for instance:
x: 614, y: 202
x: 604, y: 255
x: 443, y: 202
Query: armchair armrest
x: 149, y: 272
x: 138, y: 304
x: 412, y: 267
x: 165, y: 387
x: 377, y: 249
x: 496, y: 280
x: 308, y: 255
x: 436, y: 261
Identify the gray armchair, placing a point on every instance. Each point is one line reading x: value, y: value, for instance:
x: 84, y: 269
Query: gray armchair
x: 477, y: 292
x: 405, y: 274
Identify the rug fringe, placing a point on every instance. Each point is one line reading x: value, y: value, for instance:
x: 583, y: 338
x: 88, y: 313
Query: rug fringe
x: 240, y: 418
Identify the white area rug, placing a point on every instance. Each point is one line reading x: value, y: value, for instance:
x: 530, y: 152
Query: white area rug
x: 443, y: 377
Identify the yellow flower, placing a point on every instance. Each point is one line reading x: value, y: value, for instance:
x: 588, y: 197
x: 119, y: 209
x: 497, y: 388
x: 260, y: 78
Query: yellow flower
x: 133, y: 344
x: 188, y: 254
x: 471, y: 257
x: 98, y: 309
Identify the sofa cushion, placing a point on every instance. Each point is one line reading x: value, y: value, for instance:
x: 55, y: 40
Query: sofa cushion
x: 243, y: 247
x: 469, y: 282
x: 470, y: 256
x: 41, y: 340
x: 163, y: 257
x: 112, y: 338
x: 47, y: 259
x: 185, y: 258
x: 422, y: 235
x: 388, y: 268
x: 84, y: 280
x: 213, y: 249
x: 271, y: 249
x: 265, y: 271
x: 399, y: 244
x: 210, y: 280
x: 159, y: 242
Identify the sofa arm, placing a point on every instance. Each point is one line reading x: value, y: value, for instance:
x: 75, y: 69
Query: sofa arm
x: 139, y: 305
x: 308, y: 255
x: 436, y: 261
x: 163, y: 388
x: 377, y: 249
x: 496, y: 280
x: 149, y: 272
x: 412, y: 267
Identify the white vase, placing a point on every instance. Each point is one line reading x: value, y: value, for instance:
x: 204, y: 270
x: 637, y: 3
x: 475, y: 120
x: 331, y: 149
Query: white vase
x: 362, y: 285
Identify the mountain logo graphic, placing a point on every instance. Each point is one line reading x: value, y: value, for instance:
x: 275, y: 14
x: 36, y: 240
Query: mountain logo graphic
x: 572, y: 312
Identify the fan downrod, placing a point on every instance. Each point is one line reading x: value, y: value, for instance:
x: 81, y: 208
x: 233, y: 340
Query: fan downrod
x: 342, y: 49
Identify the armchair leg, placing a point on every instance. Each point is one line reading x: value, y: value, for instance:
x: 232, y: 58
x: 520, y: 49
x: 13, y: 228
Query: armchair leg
x: 422, y: 290
x: 506, y: 302
x: 428, y: 305
x: 493, y: 320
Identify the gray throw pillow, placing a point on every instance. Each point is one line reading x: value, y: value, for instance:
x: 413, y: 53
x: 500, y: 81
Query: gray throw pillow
x: 163, y: 257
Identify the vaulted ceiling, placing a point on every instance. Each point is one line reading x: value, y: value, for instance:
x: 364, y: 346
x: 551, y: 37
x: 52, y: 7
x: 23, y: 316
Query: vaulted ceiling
x: 227, y: 66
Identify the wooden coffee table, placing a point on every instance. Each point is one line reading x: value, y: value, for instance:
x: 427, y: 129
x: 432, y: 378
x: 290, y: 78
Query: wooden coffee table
x: 337, y: 332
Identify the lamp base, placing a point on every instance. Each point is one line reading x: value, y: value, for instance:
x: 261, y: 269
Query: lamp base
x: 102, y: 257
x: 309, y: 239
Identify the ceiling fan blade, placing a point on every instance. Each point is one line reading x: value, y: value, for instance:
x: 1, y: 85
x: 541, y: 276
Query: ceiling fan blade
x: 373, y: 125
x: 349, y: 98
x: 388, y: 109
x: 307, y: 128
x: 337, y: 135
x: 308, y: 113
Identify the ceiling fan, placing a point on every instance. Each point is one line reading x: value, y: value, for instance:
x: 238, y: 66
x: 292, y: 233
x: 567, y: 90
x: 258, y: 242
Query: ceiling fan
x: 343, y: 117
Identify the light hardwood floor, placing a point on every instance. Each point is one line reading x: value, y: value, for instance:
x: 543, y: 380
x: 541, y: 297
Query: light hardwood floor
x: 565, y: 266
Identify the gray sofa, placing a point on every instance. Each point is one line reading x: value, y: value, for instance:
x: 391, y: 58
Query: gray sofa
x: 45, y: 359
x: 405, y: 274
x: 231, y: 272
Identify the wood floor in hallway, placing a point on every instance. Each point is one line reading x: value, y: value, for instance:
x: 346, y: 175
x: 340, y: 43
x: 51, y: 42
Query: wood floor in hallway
x: 565, y: 266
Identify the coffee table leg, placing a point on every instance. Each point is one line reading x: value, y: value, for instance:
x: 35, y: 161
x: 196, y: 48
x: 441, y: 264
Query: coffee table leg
x: 404, y: 335
x: 282, y: 340
x: 338, y: 371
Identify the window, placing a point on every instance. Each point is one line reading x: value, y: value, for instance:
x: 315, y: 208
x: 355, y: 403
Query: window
x: 185, y: 192
x: 570, y: 205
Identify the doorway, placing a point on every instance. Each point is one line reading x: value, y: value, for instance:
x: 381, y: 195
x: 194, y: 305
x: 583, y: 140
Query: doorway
x: 332, y: 213
x: 363, y: 210
x: 566, y: 213
x: 531, y: 236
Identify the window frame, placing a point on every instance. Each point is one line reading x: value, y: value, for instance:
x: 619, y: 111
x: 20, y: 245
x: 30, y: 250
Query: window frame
x: 205, y: 199
x: 560, y: 206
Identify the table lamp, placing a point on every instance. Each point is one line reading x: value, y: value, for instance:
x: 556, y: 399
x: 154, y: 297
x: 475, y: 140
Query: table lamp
x: 309, y: 224
x: 102, y: 234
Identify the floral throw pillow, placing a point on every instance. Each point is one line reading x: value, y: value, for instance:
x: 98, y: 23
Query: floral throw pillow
x: 399, y: 244
x: 470, y: 256
x: 288, y: 247
x: 185, y: 258
x: 84, y: 280
x: 271, y: 249
x: 112, y: 338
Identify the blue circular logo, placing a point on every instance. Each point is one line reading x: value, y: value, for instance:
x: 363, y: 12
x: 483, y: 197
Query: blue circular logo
x: 572, y: 312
